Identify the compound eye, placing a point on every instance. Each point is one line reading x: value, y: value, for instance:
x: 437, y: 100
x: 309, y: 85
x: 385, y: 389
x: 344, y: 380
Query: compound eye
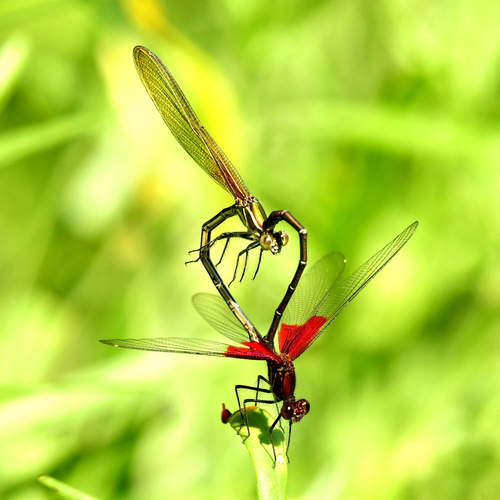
x: 287, y: 411
x: 284, y: 238
x: 305, y: 406
x: 301, y: 410
x: 266, y: 241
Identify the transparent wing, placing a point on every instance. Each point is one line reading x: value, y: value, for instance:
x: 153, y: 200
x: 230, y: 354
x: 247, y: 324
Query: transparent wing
x: 184, y: 124
x: 190, y: 346
x: 173, y: 344
x: 298, y: 336
x: 214, y: 310
x: 313, y: 288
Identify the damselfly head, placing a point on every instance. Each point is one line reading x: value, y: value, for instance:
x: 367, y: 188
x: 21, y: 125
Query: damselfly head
x: 295, y: 410
x: 274, y: 241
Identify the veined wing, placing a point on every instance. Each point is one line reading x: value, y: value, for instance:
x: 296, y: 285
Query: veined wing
x: 182, y: 121
x: 297, y: 334
x: 194, y: 346
x: 313, y: 289
x: 214, y: 310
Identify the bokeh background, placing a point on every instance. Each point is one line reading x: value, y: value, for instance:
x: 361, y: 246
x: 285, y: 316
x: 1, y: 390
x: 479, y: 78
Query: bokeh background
x: 359, y: 117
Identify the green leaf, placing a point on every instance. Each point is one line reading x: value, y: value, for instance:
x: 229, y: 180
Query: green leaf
x: 63, y: 489
x: 271, y: 476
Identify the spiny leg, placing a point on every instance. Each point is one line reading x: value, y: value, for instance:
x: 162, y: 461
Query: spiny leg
x: 258, y: 263
x: 253, y: 245
x: 197, y: 250
x: 256, y: 400
x: 243, y: 408
x: 259, y: 378
x: 289, y: 437
x: 271, y: 429
x: 263, y: 379
x: 227, y: 236
x: 289, y: 433
x: 223, y: 251
x: 207, y: 246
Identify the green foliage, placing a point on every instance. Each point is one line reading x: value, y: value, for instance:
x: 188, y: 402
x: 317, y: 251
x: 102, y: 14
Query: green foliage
x: 359, y: 118
x: 271, y: 474
x: 63, y: 489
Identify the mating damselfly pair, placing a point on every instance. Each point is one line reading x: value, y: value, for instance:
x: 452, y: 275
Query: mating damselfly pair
x: 310, y: 303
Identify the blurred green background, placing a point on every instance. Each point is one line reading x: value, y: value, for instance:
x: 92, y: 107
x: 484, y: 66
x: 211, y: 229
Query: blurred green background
x: 359, y: 117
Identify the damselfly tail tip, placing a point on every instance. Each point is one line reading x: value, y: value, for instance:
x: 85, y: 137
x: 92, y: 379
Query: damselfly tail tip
x: 226, y: 414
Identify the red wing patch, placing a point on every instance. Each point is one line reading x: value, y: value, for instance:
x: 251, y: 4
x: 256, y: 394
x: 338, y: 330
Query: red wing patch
x: 295, y: 339
x: 254, y: 350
